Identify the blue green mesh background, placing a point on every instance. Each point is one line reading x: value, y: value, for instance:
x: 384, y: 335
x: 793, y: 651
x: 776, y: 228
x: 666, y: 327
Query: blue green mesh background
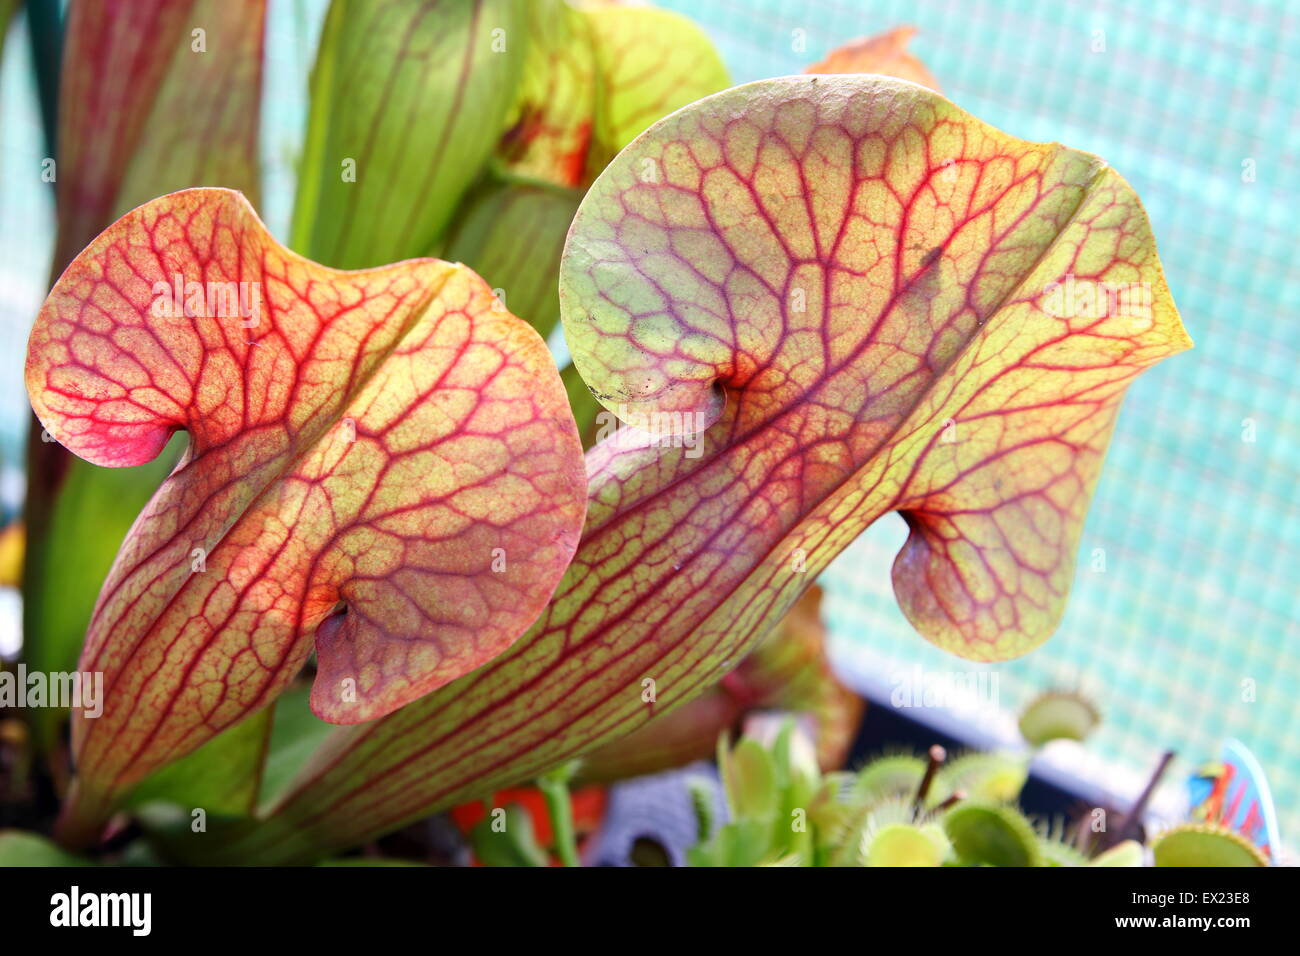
x: 1195, y: 612
x: 1188, y: 634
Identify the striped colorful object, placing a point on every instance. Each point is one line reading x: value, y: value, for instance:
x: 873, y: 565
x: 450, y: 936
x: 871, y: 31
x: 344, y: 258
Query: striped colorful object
x: 1233, y: 791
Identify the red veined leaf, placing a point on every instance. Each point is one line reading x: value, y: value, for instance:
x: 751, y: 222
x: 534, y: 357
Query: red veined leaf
x: 155, y: 96
x: 383, y: 460
x: 874, y: 303
x: 829, y: 298
x: 788, y: 671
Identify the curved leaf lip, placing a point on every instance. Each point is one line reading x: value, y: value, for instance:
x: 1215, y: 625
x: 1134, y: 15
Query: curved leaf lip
x: 651, y: 276
x: 37, y: 365
x: 390, y: 441
x: 709, y: 398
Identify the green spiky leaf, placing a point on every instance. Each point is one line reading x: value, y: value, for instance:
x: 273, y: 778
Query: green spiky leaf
x: 1128, y: 853
x: 901, y: 844
x: 992, y: 835
x: 1058, y: 715
x: 1197, y: 844
x: 988, y: 777
x: 894, y: 775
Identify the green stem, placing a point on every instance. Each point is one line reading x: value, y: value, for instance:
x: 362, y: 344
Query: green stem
x: 702, y: 804
x: 81, y: 821
x: 555, y: 791
x: 306, y: 204
x: 45, y: 33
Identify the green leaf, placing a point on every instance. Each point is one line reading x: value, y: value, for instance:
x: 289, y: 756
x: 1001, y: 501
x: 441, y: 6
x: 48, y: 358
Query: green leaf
x: 1128, y: 853
x: 1058, y: 715
x: 1057, y: 852
x: 992, y: 835
x: 902, y: 844
x: 408, y: 100
x: 745, y: 842
x: 894, y: 775
x: 511, y: 845
x: 512, y: 233
x: 222, y: 777
x: 986, y: 777
x: 20, y: 848
x: 649, y: 62
x: 751, y: 781
x: 1205, y: 844
x: 296, y: 734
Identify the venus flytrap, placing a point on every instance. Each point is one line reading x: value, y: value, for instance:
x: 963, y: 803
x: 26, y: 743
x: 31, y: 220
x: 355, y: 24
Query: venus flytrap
x: 878, y: 816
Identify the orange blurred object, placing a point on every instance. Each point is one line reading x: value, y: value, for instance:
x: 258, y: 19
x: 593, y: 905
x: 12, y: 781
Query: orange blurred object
x: 588, y: 810
x: 884, y: 53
